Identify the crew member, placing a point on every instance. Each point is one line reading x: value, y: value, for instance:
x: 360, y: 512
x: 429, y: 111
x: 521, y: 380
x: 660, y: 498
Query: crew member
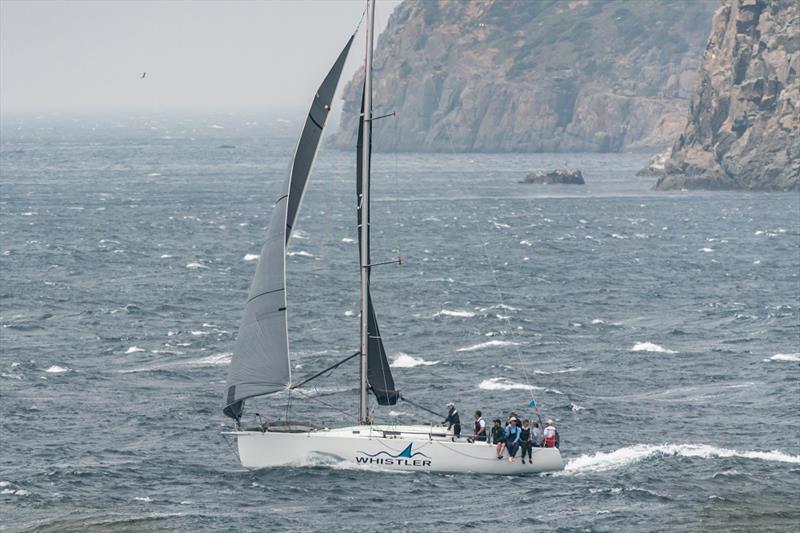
x: 550, y: 435
x: 512, y: 439
x: 452, y: 420
x: 498, y: 437
x: 479, y: 432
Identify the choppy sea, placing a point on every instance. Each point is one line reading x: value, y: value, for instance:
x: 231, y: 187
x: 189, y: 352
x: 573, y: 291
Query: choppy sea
x: 660, y: 330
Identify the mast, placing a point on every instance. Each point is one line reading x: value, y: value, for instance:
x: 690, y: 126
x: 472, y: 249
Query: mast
x: 363, y: 391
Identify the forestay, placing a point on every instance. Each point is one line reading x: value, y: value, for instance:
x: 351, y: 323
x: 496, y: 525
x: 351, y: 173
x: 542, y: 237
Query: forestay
x: 260, y: 362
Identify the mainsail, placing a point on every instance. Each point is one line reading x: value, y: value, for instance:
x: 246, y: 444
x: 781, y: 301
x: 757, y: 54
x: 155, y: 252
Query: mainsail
x: 260, y: 362
x: 379, y: 375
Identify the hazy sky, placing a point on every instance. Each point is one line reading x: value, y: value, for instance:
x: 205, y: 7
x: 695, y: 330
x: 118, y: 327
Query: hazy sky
x: 78, y: 56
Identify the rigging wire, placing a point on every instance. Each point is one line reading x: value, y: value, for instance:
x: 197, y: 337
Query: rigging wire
x: 494, y: 274
x: 331, y: 406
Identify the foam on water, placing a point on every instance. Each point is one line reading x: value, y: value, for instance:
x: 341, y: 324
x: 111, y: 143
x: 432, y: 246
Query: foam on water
x: 251, y: 257
x: 195, y: 265
x: 301, y: 253
x: 403, y: 360
x: 134, y: 349
x: 55, y: 369
x: 650, y: 347
x: 602, y: 461
x: 487, y: 344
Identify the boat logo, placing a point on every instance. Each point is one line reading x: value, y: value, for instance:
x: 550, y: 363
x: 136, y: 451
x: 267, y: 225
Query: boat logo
x: 405, y: 458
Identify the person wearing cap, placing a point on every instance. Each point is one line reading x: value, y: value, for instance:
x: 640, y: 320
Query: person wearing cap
x: 453, y: 421
x: 550, y: 435
x: 512, y: 438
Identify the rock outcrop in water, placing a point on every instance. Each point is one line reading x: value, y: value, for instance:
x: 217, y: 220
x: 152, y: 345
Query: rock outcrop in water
x: 743, y: 130
x: 563, y: 177
x: 544, y: 76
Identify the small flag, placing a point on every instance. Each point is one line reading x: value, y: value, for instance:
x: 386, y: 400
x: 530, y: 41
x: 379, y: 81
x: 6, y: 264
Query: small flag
x: 532, y: 404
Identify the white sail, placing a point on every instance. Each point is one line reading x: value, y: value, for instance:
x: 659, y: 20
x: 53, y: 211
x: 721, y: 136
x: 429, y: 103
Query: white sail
x: 260, y: 362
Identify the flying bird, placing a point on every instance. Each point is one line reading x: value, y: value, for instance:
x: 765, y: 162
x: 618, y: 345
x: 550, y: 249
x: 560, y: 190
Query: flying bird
x: 143, y: 75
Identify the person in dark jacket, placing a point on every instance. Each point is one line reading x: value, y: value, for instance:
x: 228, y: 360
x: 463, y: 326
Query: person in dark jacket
x: 526, y: 441
x: 453, y: 420
x: 498, y: 437
x: 479, y: 429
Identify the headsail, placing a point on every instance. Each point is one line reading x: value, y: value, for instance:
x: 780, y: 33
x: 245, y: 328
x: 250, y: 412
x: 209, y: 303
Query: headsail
x: 260, y: 362
x: 379, y: 375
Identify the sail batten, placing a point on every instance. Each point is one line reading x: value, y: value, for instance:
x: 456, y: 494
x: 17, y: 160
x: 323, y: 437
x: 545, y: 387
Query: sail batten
x: 260, y: 362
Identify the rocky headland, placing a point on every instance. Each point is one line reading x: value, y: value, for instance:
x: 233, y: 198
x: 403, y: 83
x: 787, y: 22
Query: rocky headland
x: 544, y: 76
x: 743, y: 130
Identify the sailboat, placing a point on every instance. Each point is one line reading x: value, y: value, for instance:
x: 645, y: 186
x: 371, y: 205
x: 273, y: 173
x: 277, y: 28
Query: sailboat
x: 260, y: 364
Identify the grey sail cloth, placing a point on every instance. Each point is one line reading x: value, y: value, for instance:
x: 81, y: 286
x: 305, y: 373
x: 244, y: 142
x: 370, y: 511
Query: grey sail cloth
x: 260, y: 362
x: 379, y: 375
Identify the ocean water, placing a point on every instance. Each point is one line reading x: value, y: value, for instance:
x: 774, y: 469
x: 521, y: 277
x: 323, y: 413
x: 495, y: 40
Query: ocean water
x: 660, y: 330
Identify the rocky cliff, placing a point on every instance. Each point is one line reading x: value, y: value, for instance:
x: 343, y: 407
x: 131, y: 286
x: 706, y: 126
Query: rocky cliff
x: 743, y: 130
x: 519, y: 75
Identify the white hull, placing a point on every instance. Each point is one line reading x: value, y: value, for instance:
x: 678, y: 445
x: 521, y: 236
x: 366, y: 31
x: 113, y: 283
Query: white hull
x: 409, y: 448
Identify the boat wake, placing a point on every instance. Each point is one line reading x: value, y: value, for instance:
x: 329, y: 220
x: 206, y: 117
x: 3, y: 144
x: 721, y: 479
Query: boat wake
x: 604, y: 461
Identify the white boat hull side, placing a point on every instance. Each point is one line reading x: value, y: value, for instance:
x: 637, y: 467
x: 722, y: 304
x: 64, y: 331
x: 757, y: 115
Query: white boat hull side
x: 270, y: 449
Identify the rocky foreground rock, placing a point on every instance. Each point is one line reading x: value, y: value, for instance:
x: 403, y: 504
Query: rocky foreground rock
x: 533, y: 76
x: 743, y: 130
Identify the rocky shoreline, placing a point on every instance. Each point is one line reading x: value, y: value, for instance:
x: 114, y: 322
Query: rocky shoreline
x: 523, y: 76
x: 743, y: 130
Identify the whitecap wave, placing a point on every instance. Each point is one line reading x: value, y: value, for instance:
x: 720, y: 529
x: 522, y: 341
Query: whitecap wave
x: 460, y: 313
x: 134, y: 349
x: 561, y: 371
x: 602, y: 461
x: 16, y: 492
x: 223, y: 358
x: 55, y: 369
x: 301, y: 253
x: 403, y: 360
x: 195, y: 265
x: 251, y: 257
x: 785, y: 357
x: 214, y: 359
x: 650, y: 347
x: 487, y: 344
x: 505, y: 384
x: 348, y: 240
